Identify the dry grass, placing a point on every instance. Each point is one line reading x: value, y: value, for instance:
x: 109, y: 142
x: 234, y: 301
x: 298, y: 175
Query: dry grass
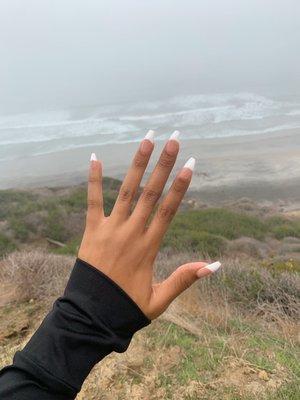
x: 36, y: 274
x: 244, y: 284
x: 233, y: 336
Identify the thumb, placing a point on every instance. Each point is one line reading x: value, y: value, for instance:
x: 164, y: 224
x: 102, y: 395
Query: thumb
x: 182, y: 278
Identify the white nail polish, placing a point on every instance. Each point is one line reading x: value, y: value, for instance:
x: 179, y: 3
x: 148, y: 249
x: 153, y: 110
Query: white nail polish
x: 150, y: 135
x: 175, y: 136
x: 214, y: 266
x: 190, y: 164
x: 93, y: 157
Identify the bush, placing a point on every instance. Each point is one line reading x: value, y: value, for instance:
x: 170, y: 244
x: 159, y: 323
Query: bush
x: 20, y: 228
x: 6, y: 245
x: 36, y: 274
x: 12, y: 202
x: 75, y: 201
x: 71, y: 248
x: 281, y: 227
x: 220, y: 222
x: 55, y: 228
x: 244, y: 284
x: 276, y: 266
x: 202, y: 242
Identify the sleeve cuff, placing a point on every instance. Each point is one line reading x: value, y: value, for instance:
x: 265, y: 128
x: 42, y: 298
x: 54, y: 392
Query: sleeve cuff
x: 106, y: 299
x: 93, y: 318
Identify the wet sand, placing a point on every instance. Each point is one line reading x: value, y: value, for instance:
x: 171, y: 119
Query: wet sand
x: 256, y: 166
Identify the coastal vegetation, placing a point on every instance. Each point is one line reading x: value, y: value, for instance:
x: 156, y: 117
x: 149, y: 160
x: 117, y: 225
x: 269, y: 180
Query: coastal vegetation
x: 233, y: 336
x: 58, y: 214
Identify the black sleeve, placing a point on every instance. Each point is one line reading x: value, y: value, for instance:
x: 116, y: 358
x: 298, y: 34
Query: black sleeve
x: 93, y: 318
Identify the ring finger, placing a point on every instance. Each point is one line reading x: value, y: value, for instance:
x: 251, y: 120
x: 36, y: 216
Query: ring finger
x: 170, y: 204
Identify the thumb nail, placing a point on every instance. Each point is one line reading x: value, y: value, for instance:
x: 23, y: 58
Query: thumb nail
x: 208, y: 269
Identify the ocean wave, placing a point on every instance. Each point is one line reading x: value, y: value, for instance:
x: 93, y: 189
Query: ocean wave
x: 201, y: 114
x: 294, y: 112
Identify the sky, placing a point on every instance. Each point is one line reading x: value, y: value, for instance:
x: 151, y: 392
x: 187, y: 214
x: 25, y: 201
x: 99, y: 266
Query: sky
x: 75, y: 53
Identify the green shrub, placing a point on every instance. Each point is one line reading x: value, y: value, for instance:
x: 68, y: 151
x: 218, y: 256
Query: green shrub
x: 281, y: 227
x: 202, y: 242
x: 76, y: 201
x: 277, y: 266
x: 206, y: 231
x: 19, y: 227
x: 6, y: 245
x: 286, y: 230
x: 220, y: 222
x: 109, y: 201
x: 111, y: 184
x: 244, y: 287
x: 15, y: 202
x: 71, y: 248
x: 54, y: 225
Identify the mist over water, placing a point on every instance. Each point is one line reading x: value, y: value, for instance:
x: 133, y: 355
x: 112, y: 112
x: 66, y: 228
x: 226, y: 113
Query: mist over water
x: 197, y: 116
x: 74, y: 74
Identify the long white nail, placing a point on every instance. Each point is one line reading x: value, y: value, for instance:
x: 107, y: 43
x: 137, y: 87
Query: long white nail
x: 93, y: 157
x: 150, y: 135
x: 214, y: 266
x: 190, y: 164
x: 175, y: 136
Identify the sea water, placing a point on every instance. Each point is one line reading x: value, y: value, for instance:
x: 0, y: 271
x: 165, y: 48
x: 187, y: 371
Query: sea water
x: 196, y: 116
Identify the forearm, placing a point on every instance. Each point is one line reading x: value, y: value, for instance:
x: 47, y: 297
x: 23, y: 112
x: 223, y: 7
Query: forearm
x: 93, y: 318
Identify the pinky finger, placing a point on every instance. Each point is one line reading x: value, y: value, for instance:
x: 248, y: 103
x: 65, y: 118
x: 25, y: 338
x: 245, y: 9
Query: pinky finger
x: 95, y: 198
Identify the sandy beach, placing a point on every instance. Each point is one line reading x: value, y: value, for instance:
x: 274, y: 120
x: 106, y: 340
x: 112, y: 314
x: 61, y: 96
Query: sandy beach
x: 255, y: 166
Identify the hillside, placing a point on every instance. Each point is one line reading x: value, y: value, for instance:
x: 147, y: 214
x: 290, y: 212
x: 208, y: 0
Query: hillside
x: 234, y: 336
x: 44, y: 216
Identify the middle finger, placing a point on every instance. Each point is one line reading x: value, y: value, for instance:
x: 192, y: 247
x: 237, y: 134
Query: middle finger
x: 156, y: 183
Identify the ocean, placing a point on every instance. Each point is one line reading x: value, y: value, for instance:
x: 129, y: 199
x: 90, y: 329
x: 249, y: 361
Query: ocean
x: 196, y: 116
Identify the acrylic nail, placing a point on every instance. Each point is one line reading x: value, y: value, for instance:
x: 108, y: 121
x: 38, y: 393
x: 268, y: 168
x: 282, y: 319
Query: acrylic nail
x: 172, y: 145
x: 93, y: 157
x: 190, y: 164
x: 175, y: 136
x: 150, y: 136
x: 214, y: 266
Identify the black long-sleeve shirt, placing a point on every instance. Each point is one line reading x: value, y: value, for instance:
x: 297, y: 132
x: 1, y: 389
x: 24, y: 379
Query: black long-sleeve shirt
x: 93, y: 318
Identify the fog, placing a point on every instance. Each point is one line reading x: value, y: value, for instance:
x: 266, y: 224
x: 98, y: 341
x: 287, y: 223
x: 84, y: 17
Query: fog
x: 69, y: 53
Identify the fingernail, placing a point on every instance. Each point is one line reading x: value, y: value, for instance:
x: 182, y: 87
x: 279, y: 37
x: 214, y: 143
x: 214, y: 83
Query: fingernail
x: 173, y: 142
x: 93, y: 157
x: 190, y: 164
x: 146, y: 146
x: 150, y: 136
x: 214, y: 266
x: 175, y: 136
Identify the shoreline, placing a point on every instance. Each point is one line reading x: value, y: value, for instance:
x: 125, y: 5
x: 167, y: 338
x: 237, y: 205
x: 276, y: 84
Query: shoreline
x: 222, y: 165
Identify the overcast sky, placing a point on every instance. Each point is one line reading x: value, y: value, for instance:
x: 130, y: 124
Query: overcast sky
x: 60, y: 53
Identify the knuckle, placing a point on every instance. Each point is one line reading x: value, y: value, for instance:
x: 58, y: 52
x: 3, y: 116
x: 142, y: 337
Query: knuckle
x: 93, y: 179
x: 126, y: 194
x: 165, y: 212
x: 180, y: 184
x: 93, y: 203
x: 166, y: 161
x: 150, y: 196
x: 183, y: 282
x: 140, y: 161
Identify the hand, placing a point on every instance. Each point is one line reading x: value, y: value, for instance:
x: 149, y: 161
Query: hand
x: 122, y: 246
